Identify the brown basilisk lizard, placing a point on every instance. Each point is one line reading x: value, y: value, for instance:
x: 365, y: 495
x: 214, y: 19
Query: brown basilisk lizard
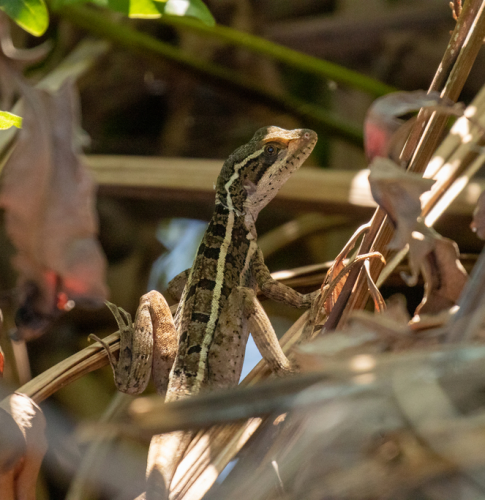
x: 203, y: 348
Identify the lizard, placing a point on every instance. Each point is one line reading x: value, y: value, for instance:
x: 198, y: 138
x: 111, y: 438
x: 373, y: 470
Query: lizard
x: 203, y: 347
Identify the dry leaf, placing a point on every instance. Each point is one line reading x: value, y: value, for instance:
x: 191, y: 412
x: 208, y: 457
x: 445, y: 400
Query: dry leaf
x: 49, y: 197
x: 384, y: 132
x: 438, y: 259
x: 397, y: 192
x: 23, y: 446
x: 444, y: 276
x: 382, y: 120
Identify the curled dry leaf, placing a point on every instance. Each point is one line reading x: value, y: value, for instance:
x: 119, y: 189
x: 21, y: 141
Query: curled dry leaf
x: 335, y: 277
x: 438, y: 259
x: 22, y: 447
x: 443, y: 273
x: 378, y: 299
x: 478, y: 222
x: 398, y: 192
x: 384, y: 132
x: 49, y: 197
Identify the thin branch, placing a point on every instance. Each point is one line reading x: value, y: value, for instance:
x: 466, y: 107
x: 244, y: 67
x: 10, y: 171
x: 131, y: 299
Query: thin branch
x: 95, y: 22
x: 294, y: 58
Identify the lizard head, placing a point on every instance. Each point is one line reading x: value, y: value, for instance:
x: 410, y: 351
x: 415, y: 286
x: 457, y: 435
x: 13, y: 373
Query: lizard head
x: 252, y: 176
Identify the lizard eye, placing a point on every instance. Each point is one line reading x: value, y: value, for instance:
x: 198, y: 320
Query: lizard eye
x: 271, y: 150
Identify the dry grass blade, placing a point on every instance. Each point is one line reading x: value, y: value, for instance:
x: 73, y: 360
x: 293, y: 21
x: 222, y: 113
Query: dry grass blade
x: 343, y: 271
x: 472, y: 308
x: 457, y: 159
x: 153, y: 415
x: 67, y: 371
x: 379, y: 302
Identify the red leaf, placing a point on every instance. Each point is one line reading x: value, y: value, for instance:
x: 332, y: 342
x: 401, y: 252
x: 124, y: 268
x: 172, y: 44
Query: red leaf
x: 49, y: 197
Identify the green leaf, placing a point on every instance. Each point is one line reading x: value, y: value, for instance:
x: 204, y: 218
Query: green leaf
x: 31, y: 15
x: 191, y: 8
x: 133, y: 8
x: 148, y: 9
x: 8, y: 120
x: 143, y: 9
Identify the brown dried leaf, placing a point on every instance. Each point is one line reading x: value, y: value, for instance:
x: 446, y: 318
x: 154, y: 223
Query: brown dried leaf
x: 478, y: 222
x: 382, y: 120
x: 438, y: 259
x: 398, y: 192
x: 23, y: 446
x: 444, y: 277
x: 50, y: 217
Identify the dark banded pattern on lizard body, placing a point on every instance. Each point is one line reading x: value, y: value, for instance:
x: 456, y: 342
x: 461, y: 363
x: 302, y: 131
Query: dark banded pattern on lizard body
x: 249, y: 179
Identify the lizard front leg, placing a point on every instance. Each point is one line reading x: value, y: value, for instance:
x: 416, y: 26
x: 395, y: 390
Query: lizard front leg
x: 277, y: 291
x: 263, y: 333
x: 147, y: 347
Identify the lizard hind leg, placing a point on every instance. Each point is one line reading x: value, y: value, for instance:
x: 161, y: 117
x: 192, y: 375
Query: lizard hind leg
x: 146, y: 347
x: 133, y: 369
x: 164, y: 334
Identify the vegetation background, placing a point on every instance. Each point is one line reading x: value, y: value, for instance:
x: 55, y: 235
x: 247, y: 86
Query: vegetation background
x: 197, y: 87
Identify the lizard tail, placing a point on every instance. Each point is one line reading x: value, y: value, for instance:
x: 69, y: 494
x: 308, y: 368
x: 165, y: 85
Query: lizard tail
x: 165, y: 454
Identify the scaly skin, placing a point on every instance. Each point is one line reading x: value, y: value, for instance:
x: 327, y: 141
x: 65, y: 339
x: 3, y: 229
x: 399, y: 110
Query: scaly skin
x: 218, y: 306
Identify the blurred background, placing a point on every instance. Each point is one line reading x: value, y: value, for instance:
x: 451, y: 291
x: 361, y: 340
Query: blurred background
x: 201, y: 102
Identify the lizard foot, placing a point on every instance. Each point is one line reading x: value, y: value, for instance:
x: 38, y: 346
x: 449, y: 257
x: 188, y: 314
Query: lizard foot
x: 123, y: 319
